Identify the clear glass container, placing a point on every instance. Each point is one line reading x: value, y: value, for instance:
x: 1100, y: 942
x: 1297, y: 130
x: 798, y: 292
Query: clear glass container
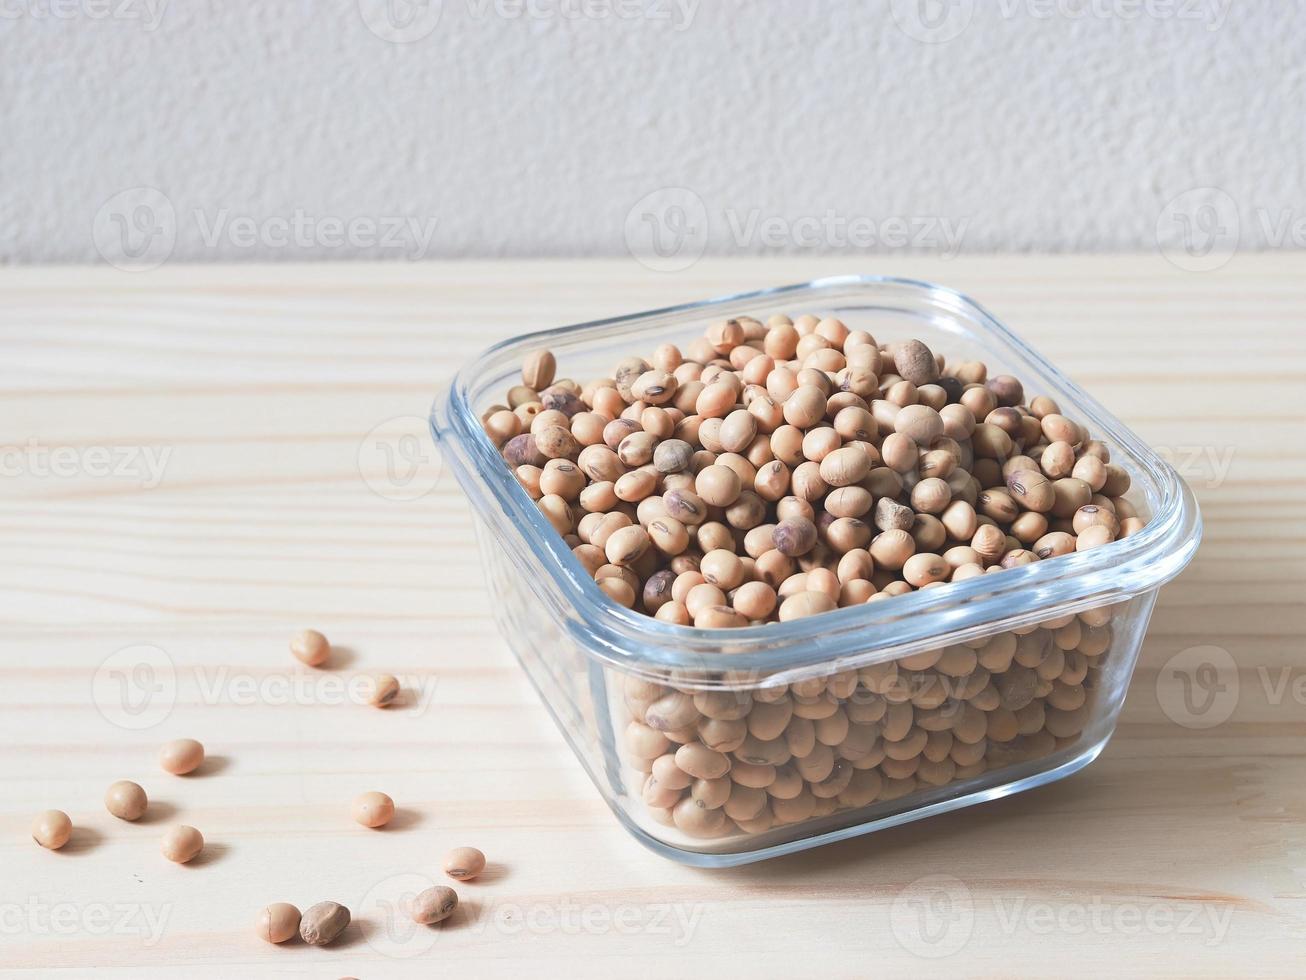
x: 849, y: 721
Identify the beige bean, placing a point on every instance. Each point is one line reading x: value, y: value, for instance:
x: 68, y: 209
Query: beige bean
x: 671, y: 711
x: 698, y: 821
x: 711, y: 793
x: 310, y: 647
x: 863, y: 788
x: 1030, y: 718
x: 721, y: 735
x: 373, y: 809
x: 768, y: 721
x: 52, y: 829
x: 900, y: 768
x: 745, y: 802
x: 385, y: 691
x: 701, y: 762
x: 538, y: 370
x: 182, y: 844
x: 432, y: 905
x: 938, y: 744
x: 833, y: 729
x: 815, y: 707
x: 464, y: 863
x: 803, y: 604
x: 910, y: 746
x: 278, y: 922
x: 752, y: 775
x: 897, y: 722
x: 795, y: 809
x: 1066, y: 723
x: 126, y: 800
x: 181, y: 756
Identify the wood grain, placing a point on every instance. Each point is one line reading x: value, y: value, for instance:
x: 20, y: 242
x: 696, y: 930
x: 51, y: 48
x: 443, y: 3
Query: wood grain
x: 1181, y: 852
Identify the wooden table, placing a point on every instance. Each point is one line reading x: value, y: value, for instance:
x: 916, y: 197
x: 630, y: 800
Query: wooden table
x: 196, y: 465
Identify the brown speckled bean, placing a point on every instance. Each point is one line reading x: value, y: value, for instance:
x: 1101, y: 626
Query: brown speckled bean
x: 434, y: 904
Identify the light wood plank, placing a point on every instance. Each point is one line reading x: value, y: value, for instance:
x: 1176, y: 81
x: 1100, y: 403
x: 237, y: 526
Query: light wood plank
x: 1178, y: 853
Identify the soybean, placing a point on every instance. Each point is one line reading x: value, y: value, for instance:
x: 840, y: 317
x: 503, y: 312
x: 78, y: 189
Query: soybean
x: 435, y: 904
x: 51, y: 829
x: 126, y: 800
x: 464, y: 863
x: 181, y: 756
x: 385, y: 691
x: 182, y: 843
x: 796, y: 465
x: 322, y: 924
x: 310, y: 647
x: 278, y: 922
x: 373, y: 809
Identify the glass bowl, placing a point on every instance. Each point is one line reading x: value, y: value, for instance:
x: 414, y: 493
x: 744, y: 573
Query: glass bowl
x: 853, y: 720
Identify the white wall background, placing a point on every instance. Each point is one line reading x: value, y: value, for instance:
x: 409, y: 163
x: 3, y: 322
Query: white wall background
x: 293, y: 129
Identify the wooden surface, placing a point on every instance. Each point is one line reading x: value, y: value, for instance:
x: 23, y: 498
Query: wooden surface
x: 1180, y: 852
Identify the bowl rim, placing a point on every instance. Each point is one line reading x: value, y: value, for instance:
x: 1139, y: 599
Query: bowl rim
x: 914, y: 621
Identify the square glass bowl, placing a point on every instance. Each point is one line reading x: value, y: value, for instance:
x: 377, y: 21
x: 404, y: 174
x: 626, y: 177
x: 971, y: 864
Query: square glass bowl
x: 849, y: 721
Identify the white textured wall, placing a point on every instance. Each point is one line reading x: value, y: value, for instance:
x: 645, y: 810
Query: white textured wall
x: 1027, y: 124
